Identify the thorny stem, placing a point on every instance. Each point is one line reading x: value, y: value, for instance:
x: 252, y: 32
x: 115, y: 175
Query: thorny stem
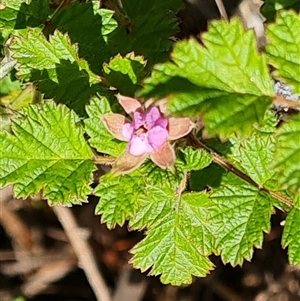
x: 229, y: 167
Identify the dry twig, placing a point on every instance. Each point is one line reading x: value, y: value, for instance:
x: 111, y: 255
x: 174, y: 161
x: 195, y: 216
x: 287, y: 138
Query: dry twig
x: 84, y: 253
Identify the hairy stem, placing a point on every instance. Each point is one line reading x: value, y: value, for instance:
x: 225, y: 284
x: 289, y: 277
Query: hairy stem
x: 231, y: 168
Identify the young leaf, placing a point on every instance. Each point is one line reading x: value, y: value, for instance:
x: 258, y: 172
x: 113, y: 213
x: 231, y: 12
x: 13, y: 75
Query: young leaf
x: 179, y: 237
x: 240, y: 215
x: 226, y: 80
x: 288, y: 154
x: 195, y: 159
x: 47, y: 152
x: 125, y: 73
x: 284, y: 48
x: 118, y: 198
x: 159, y: 177
x: 100, y: 138
x: 291, y: 232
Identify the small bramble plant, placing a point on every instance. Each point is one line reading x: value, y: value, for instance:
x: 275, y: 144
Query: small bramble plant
x: 116, y: 90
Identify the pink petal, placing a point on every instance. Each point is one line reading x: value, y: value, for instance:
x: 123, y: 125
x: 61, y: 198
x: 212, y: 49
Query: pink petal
x: 114, y: 124
x: 138, y: 120
x: 164, y: 156
x: 179, y: 127
x: 157, y: 136
x: 139, y: 145
x: 129, y: 104
x: 152, y: 116
x: 163, y: 122
x: 126, y: 163
x: 127, y: 130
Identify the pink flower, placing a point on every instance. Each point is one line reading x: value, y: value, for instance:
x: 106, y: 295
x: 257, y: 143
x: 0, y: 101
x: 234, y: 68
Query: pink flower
x: 147, y: 133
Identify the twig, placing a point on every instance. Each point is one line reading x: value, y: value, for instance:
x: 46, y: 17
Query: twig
x: 280, y: 100
x: 228, y: 166
x: 17, y: 230
x: 129, y: 291
x: 83, y: 252
x: 222, y: 9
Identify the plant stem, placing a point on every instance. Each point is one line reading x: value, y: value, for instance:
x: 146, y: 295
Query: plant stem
x: 231, y: 168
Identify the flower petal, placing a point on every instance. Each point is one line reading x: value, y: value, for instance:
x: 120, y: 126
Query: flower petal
x: 114, y: 124
x: 152, y: 116
x: 126, y: 163
x: 179, y: 127
x: 138, y: 120
x: 127, y: 130
x: 129, y: 104
x: 157, y: 136
x: 139, y: 145
x: 164, y: 156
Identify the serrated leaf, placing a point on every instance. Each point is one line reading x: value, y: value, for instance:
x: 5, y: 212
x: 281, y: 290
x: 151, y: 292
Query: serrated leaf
x: 125, y: 73
x: 33, y: 51
x: 17, y: 14
x: 291, y: 232
x: 226, y: 80
x: 271, y: 7
x: 100, y: 138
x: 118, y: 198
x: 55, y: 66
x: 195, y: 159
x: 254, y: 156
x: 179, y: 238
x: 88, y: 26
x: 152, y: 24
x: 240, y: 215
x: 159, y: 177
x: 284, y: 47
x: 47, y: 152
x: 287, y: 156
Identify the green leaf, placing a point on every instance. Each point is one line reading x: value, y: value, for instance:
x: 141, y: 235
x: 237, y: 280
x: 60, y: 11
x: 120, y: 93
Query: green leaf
x: 47, y: 152
x: 125, y: 73
x: 268, y: 124
x: 207, y: 178
x: 118, y: 198
x: 152, y: 24
x: 100, y: 138
x: 284, y: 47
x: 8, y: 84
x: 18, y: 14
x: 240, y: 215
x: 288, y: 154
x: 271, y: 7
x: 226, y: 80
x: 33, y: 51
x: 254, y: 156
x: 89, y: 27
x: 55, y: 65
x: 291, y: 233
x: 195, y: 159
x: 178, y: 240
x: 159, y: 177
